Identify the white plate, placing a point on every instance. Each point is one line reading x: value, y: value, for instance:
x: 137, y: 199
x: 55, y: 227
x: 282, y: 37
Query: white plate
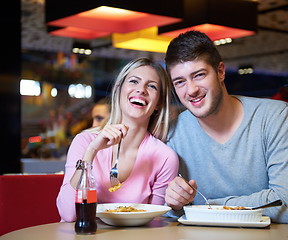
x: 129, y: 218
x: 265, y: 221
x: 216, y: 213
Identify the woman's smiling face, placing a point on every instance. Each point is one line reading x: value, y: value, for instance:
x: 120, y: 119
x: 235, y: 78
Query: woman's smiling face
x: 140, y: 93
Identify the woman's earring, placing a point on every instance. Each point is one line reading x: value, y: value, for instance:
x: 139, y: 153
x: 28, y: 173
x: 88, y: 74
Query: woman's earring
x: 156, y: 112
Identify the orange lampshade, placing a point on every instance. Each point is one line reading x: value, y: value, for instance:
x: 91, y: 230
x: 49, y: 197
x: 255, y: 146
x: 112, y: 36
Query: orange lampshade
x: 113, y: 20
x: 96, y: 19
x: 218, y: 19
x: 79, y: 33
x: 93, y: 19
x: 215, y: 32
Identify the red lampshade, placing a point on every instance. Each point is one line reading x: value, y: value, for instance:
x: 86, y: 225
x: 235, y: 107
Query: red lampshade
x: 106, y: 17
x: 215, y: 32
x: 218, y: 19
x: 80, y: 33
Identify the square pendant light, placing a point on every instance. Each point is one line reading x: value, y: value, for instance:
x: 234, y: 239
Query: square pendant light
x: 218, y: 19
x: 92, y: 19
x: 142, y: 40
x: 78, y: 33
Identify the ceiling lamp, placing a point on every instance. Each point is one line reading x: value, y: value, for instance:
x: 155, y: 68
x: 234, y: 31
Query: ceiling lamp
x: 142, y: 40
x: 81, y: 48
x: 218, y: 19
x: 79, y: 33
x: 92, y: 19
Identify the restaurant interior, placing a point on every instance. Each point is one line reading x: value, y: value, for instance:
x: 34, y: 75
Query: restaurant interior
x: 56, y: 63
x: 38, y: 128
x: 42, y: 46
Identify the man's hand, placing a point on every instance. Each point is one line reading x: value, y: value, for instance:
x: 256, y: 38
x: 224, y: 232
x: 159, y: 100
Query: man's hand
x: 179, y: 193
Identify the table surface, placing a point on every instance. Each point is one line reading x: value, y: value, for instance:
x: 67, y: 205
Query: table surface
x: 160, y: 228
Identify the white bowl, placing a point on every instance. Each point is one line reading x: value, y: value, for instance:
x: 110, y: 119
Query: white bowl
x: 218, y: 214
x: 129, y: 218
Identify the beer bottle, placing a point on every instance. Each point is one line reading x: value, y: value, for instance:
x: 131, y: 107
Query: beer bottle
x: 86, y: 202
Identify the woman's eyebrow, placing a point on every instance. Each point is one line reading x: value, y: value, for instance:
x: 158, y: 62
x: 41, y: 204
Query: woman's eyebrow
x: 134, y: 76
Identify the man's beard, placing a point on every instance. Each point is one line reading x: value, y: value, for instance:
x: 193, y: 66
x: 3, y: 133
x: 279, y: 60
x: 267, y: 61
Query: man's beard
x: 217, y: 98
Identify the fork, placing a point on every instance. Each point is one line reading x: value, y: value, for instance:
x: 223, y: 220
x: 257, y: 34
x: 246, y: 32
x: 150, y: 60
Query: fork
x: 195, y: 190
x: 114, y: 170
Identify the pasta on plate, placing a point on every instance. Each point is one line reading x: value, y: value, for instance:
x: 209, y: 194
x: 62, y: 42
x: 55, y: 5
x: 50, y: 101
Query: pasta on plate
x: 125, y: 209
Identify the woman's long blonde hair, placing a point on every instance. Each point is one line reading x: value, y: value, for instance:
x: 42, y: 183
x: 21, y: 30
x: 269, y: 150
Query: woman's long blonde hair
x: 159, y: 120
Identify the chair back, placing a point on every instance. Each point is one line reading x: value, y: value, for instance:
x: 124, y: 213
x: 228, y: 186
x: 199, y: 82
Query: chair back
x: 28, y: 200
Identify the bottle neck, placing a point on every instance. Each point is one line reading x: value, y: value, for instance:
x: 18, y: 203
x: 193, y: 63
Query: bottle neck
x: 86, y: 188
x: 88, y: 168
x: 86, y: 179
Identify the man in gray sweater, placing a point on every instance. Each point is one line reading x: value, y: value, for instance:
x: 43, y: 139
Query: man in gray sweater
x: 233, y: 148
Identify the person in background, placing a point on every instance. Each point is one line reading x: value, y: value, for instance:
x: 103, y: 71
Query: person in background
x: 233, y: 148
x: 100, y: 112
x: 139, y: 119
x: 93, y: 117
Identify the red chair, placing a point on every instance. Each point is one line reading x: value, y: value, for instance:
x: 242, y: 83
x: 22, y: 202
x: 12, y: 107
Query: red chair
x: 28, y: 200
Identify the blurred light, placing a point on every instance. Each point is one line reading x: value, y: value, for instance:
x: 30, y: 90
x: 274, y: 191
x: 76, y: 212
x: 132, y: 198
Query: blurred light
x: 223, y: 41
x: 54, y: 92
x: 82, y: 51
x: 81, y: 48
x: 88, y: 51
x: 80, y: 91
x: 245, y: 70
x: 75, y: 50
x: 34, y: 139
x: 30, y: 87
x: 228, y: 40
x: 88, y: 91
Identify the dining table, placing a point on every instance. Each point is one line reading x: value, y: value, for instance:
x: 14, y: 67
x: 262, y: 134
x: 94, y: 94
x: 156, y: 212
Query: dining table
x: 159, y: 228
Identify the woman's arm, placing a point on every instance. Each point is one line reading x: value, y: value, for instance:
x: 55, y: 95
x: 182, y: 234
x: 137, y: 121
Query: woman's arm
x: 168, y: 171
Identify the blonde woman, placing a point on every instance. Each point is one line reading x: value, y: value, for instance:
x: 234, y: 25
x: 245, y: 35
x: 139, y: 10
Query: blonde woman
x: 140, y: 119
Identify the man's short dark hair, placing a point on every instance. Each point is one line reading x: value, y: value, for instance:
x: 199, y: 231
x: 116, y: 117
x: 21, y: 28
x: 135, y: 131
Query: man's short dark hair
x: 190, y: 46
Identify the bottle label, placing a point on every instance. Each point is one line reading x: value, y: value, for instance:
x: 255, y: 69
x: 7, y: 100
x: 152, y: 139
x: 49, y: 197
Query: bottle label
x: 90, y: 198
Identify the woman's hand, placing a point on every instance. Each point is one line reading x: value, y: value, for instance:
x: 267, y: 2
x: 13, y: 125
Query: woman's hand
x: 108, y: 136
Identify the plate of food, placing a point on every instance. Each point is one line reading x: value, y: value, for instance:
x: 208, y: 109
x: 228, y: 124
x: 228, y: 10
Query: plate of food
x: 218, y: 213
x: 264, y: 222
x: 129, y: 214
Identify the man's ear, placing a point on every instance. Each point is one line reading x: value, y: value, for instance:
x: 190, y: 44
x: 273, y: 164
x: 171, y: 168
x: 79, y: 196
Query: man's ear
x: 221, y: 71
